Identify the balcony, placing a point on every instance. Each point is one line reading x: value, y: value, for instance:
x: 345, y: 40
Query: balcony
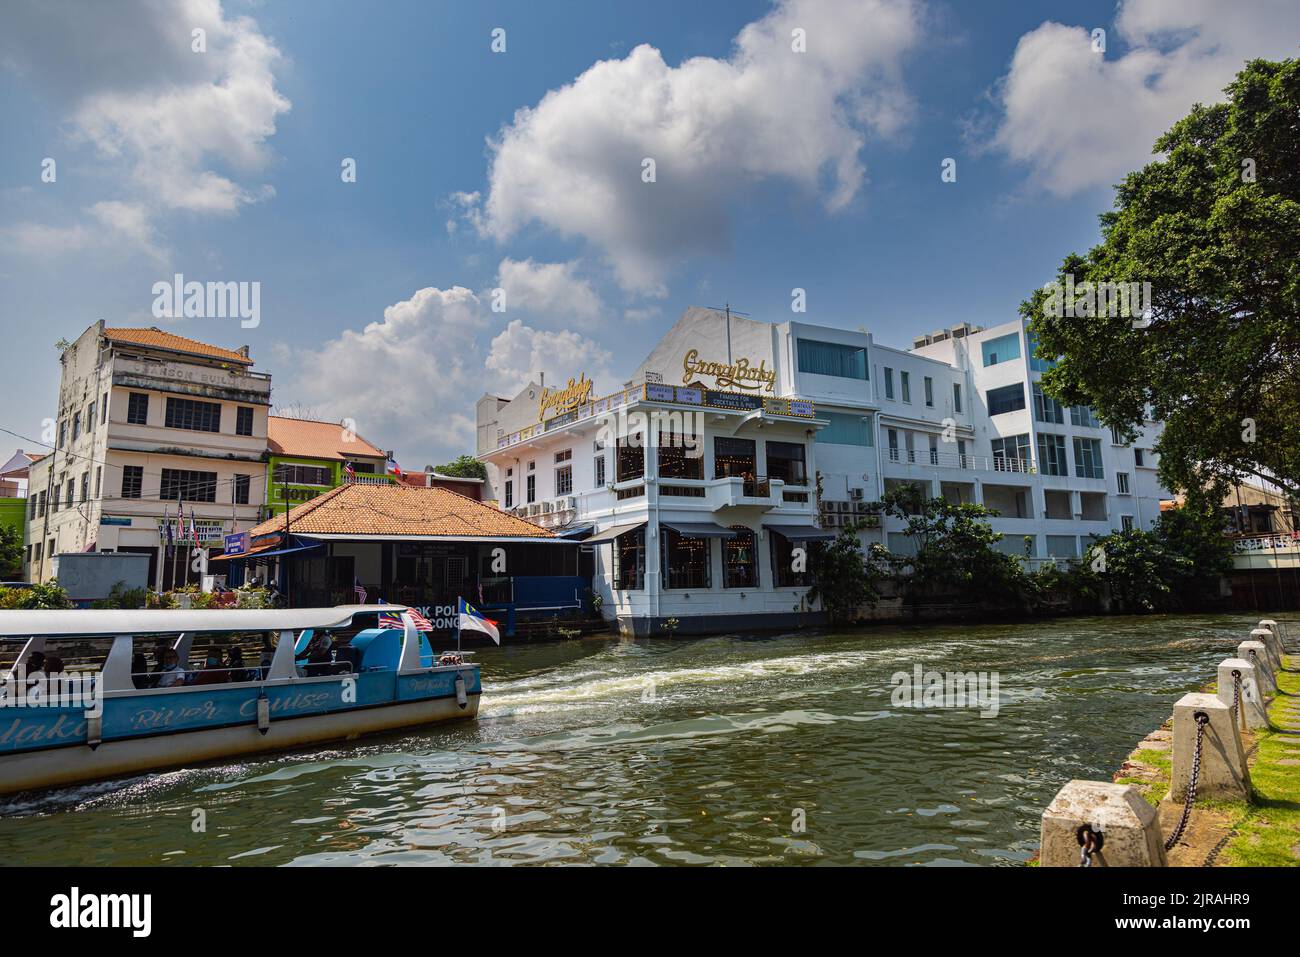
x: 957, y: 460
x: 756, y: 492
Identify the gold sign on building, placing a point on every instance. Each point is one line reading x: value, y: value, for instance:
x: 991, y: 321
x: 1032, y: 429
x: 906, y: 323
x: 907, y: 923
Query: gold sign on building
x: 740, y: 373
x: 560, y: 401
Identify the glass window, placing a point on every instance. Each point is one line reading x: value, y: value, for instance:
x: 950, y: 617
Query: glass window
x: 783, y: 573
x: 1035, y: 363
x: 738, y: 566
x: 243, y: 421
x: 630, y: 459
x: 564, y: 456
x: 1138, y: 458
x: 193, y: 415
x: 956, y: 397
x: 892, y: 440
x: 1121, y: 483
x: 530, y: 490
x: 1087, y: 458
x: 1011, y: 453
x: 564, y: 480
x: 676, y: 460
x: 1047, y: 409
x: 510, y: 493
x: 1126, y: 522
x: 629, y: 560
x: 833, y: 359
x: 733, y: 457
x: 287, y: 473
x: 1051, y: 454
x: 844, y: 429
x: 1001, y: 349
x: 1082, y: 416
x: 137, y: 408
x: 85, y: 486
x: 188, y: 485
x: 241, y: 488
x: 76, y: 426
x: 1062, y: 546
x: 906, y: 382
x: 685, y: 561
x: 889, y: 383
x: 929, y: 391
x: 1009, y: 398
x: 785, y: 461
x: 90, y: 417
x: 599, y: 464
x: 63, y: 434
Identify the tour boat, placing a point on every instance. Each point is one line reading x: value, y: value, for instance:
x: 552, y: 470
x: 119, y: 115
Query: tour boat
x: 108, y: 721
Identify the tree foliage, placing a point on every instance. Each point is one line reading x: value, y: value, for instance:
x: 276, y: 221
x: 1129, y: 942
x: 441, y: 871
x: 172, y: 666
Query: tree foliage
x: 464, y: 467
x: 11, y: 553
x: 844, y: 578
x: 1214, y: 227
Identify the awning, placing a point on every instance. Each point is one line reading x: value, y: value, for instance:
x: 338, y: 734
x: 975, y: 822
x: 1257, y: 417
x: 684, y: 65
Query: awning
x: 803, y: 533
x: 270, y: 549
x: 699, y: 529
x: 577, y: 533
x: 613, y: 532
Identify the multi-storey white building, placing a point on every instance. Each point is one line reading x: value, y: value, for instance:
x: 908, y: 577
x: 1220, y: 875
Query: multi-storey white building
x: 146, y: 419
x: 708, y: 533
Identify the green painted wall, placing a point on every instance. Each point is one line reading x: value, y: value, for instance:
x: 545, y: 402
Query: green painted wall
x: 13, y: 512
x: 298, y: 494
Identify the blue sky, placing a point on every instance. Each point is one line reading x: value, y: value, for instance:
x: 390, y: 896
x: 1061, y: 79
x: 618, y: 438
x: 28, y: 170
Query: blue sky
x: 775, y: 170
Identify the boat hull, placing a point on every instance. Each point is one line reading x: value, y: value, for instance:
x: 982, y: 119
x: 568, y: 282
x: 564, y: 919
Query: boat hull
x: 53, y: 767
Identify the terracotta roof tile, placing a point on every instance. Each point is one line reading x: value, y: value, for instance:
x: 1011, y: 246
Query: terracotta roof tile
x: 157, y: 339
x: 380, y: 510
x: 316, y: 440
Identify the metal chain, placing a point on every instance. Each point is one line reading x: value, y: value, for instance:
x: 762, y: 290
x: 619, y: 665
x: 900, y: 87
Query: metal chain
x: 1238, y: 711
x: 1202, y: 719
x: 1090, y: 842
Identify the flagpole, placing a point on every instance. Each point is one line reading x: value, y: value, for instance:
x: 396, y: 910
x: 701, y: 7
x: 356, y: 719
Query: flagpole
x: 458, y: 628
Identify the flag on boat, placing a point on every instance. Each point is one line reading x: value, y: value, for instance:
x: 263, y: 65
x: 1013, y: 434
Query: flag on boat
x: 388, y: 619
x: 471, y: 619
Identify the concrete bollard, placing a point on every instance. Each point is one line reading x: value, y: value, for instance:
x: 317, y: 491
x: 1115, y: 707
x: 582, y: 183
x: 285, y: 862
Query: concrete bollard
x: 1278, y: 629
x: 1252, y: 699
x: 1223, y: 772
x: 1129, y: 827
x: 1269, y: 640
x: 1264, y: 672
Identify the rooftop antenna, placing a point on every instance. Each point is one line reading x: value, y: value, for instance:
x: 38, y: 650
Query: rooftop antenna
x: 727, y: 309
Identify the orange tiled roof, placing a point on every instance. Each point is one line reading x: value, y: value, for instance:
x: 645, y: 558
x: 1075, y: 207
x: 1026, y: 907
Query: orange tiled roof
x: 157, y: 339
x: 315, y: 440
x: 381, y: 510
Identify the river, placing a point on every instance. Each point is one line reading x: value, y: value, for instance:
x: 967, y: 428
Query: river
x: 725, y: 750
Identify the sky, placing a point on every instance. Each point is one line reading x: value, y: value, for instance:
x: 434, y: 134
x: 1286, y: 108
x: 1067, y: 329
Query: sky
x: 503, y: 219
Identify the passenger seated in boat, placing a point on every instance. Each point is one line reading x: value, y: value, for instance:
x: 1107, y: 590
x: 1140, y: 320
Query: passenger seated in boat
x: 139, y: 670
x: 214, y: 670
x: 169, y: 673
x: 235, y: 664
x: 35, y: 668
x: 320, y: 661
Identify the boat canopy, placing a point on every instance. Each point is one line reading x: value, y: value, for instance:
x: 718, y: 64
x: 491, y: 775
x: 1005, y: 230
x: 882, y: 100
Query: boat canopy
x: 88, y: 623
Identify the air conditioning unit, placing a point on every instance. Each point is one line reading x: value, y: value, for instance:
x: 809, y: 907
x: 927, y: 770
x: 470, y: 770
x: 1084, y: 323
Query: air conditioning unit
x: 831, y: 521
x: 856, y: 494
x: 570, y: 503
x: 824, y: 506
x: 860, y: 508
x: 845, y: 507
x: 534, y: 509
x: 546, y: 508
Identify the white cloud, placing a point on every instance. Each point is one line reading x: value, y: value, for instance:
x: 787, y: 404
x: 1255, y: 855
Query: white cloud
x: 573, y: 162
x: 410, y: 380
x: 109, y: 226
x: 549, y: 289
x: 187, y: 129
x: 1080, y: 119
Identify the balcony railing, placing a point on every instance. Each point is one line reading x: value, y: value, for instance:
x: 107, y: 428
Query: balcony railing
x: 362, y: 478
x: 1265, y: 543
x: 959, y: 460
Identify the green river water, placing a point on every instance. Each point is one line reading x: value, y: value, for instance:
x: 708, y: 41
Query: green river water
x: 685, y: 751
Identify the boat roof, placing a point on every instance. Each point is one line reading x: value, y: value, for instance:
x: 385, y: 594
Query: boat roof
x: 46, y: 622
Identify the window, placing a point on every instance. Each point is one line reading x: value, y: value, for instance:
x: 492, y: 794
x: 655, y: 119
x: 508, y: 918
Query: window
x: 63, y: 434
x: 510, y: 491
x: 1121, y: 483
x: 934, y: 450
x: 785, y: 461
x: 31, y: 506
x: 599, y: 464
x: 90, y: 417
x: 782, y: 551
x: 676, y: 459
x: 845, y: 429
x: 243, y: 420
x: 738, y: 567
x: 286, y: 473
x: 956, y: 397
x: 1138, y: 458
x: 57, y: 499
x: 1009, y: 398
x: 243, y: 483
x: 137, y: 408
x: 1035, y: 363
x: 1011, y: 453
x: 628, y: 566
x: 1126, y: 522
x: 193, y: 415
x: 893, y: 444
x: 1051, y: 454
x: 905, y: 381
x: 564, y: 480
x: 564, y: 456
x: 71, y: 486
x: 685, y: 560
x: 103, y: 408
x: 530, y: 490
x: 929, y: 392
x: 1002, y: 349
x: 1087, y: 458
x: 76, y: 426
x: 1082, y: 415
x: 889, y: 383
x: 1047, y: 409
x: 532, y: 466
x: 189, y: 486
x: 40, y: 507
x: 832, y: 358
x: 629, y: 459
x: 733, y: 457
x: 85, y: 486
x: 1062, y: 546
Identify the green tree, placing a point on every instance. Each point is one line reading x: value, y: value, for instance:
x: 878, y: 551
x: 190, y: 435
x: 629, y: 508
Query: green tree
x: 11, y: 553
x: 464, y: 467
x: 843, y: 578
x: 1214, y: 227
x: 956, y: 550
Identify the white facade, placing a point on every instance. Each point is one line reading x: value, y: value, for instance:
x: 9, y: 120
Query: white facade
x: 103, y: 486
x: 861, y: 417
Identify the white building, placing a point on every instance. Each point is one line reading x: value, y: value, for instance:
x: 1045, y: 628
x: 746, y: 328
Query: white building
x: 146, y: 418
x: 778, y: 407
